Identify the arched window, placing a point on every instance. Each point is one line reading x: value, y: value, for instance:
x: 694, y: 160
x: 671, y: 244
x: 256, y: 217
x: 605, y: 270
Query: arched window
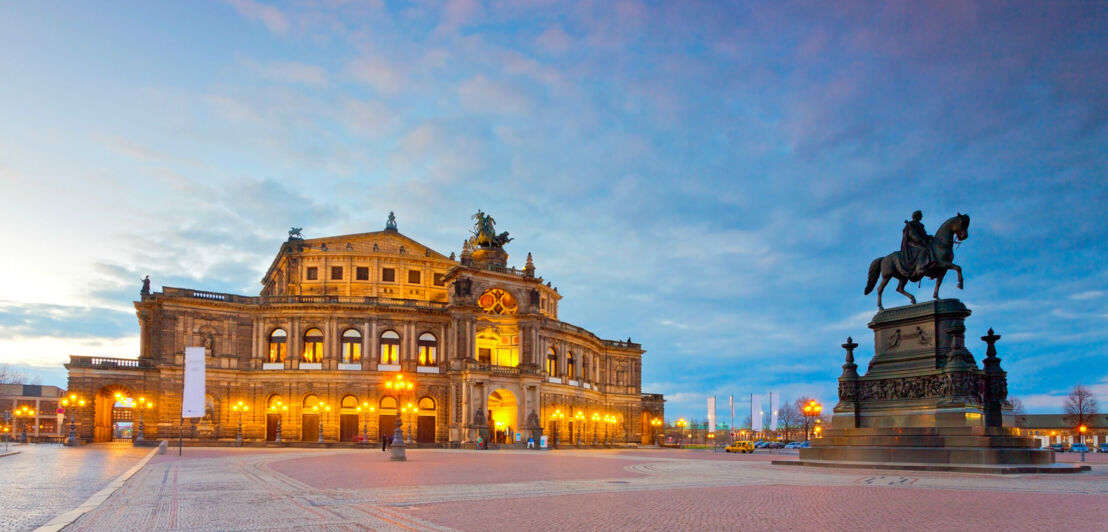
x: 310, y: 401
x: 348, y: 404
x: 428, y: 349
x: 569, y: 365
x: 351, y: 346
x: 388, y: 402
x: 426, y: 404
x: 390, y: 348
x: 552, y: 362
x: 586, y: 373
x: 278, y: 345
x: 274, y: 403
x: 313, y: 346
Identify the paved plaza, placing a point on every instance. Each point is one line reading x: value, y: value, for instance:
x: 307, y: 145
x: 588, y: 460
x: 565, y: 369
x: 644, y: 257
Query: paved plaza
x: 649, y: 489
x: 42, y: 481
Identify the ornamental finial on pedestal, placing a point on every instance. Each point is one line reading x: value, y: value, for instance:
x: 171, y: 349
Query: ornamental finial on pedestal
x: 850, y: 369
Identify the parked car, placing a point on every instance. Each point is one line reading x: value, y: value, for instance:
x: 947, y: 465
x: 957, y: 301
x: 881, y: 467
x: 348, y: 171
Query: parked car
x: 1079, y: 448
x: 740, y: 447
x: 1059, y: 447
x: 1102, y: 448
x: 792, y: 445
x: 804, y: 445
x: 760, y: 445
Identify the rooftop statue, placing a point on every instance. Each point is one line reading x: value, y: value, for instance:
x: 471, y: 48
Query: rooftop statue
x: 921, y: 255
x: 484, y: 232
x: 390, y: 225
x: 294, y: 234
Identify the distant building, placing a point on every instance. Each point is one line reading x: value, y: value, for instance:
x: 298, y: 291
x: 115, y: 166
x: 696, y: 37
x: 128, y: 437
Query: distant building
x: 338, y: 317
x: 44, y: 400
x: 1052, y: 428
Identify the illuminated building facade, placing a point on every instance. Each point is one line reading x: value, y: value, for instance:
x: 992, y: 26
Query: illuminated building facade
x: 339, y: 317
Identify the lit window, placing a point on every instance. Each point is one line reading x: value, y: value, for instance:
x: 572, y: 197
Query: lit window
x: 428, y: 349
x: 278, y: 344
x: 413, y: 277
x: 362, y: 273
x: 390, y: 348
x: 388, y: 402
x: 552, y: 362
x: 336, y: 273
x: 313, y: 273
x: 426, y: 404
x: 484, y: 355
x: 313, y: 346
x: 569, y: 365
x: 351, y: 346
x: 388, y: 275
x: 497, y: 301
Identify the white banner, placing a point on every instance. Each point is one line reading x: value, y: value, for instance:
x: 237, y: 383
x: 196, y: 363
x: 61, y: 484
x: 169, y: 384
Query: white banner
x: 731, y: 400
x: 755, y: 413
x: 774, y: 399
x: 192, y: 398
x: 712, y: 414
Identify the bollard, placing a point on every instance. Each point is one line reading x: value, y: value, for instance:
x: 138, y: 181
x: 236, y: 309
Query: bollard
x: 163, y: 446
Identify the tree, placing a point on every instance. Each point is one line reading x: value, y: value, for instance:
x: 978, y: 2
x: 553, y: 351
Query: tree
x: 10, y: 375
x: 787, y: 419
x: 1018, y: 411
x: 1080, y: 407
x: 806, y: 421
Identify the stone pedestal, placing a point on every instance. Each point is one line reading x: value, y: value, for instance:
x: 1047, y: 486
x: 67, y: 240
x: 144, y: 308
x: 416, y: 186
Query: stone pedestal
x: 921, y: 403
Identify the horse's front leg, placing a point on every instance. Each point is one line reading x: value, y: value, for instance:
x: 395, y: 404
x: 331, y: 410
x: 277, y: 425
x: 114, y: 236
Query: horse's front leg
x: 938, y: 283
x: 958, y: 269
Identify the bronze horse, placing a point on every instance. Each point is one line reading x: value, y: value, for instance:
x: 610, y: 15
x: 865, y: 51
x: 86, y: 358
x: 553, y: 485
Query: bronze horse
x: 953, y: 230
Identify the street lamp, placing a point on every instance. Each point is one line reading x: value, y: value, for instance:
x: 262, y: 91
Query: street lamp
x: 74, y: 402
x: 399, y: 385
x: 278, y: 408
x: 239, y: 408
x: 555, y: 418
x: 142, y: 405
x: 811, y: 409
x: 321, y: 408
x: 366, y: 410
x: 681, y: 424
x: 411, y: 410
x: 611, y: 421
x: 595, y: 422
x: 654, y: 424
x: 579, y: 417
x: 26, y: 413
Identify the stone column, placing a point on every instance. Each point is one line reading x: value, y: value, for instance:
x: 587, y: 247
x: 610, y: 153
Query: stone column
x: 996, y: 383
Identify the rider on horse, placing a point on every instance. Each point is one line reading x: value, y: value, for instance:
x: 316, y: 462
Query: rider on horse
x: 916, y: 256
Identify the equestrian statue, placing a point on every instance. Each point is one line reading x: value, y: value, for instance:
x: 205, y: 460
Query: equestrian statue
x: 921, y: 255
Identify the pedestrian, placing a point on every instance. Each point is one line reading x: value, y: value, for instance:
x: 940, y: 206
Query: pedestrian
x: 390, y: 441
x: 531, y: 442
x: 480, y: 443
x: 384, y: 442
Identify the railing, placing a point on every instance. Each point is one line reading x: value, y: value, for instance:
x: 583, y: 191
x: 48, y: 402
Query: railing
x: 621, y: 344
x: 87, y: 362
x: 610, y: 343
x: 310, y: 299
x: 504, y: 269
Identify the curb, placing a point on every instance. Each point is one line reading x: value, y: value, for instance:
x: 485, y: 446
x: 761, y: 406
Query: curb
x: 9, y: 453
x: 61, y: 521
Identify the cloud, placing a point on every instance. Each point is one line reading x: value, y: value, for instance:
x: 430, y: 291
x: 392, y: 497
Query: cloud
x: 379, y: 73
x: 482, y: 95
x: 554, y: 40
x: 1088, y: 294
x: 290, y: 71
x: 268, y: 15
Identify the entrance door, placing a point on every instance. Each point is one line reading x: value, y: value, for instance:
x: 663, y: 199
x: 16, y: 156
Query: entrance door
x: 387, y: 425
x: 425, y: 431
x: 348, y: 427
x: 271, y: 421
x: 309, y: 430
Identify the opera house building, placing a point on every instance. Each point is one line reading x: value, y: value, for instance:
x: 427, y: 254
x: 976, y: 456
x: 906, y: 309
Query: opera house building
x: 349, y: 332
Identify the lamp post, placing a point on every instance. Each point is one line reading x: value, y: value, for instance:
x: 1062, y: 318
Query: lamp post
x: 26, y: 413
x: 579, y: 418
x: 74, y: 402
x: 411, y: 410
x: 321, y: 408
x: 1083, y: 429
x: 811, y: 409
x: 278, y: 408
x: 239, y: 408
x: 399, y: 385
x: 681, y: 424
x: 141, y: 405
x: 654, y: 424
x: 555, y: 418
x: 365, y: 410
x: 595, y: 421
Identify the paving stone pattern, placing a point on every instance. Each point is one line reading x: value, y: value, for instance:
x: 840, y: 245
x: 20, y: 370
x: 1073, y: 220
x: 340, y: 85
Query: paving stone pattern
x: 45, y: 480
x: 340, y: 489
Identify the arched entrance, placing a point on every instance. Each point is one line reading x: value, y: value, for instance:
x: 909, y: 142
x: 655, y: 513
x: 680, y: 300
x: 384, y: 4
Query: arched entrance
x: 647, y: 428
x: 309, y: 419
x: 425, y: 429
x: 112, y: 416
x: 386, y: 416
x: 275, y: 409
x: 348, y: 418
x: 503, y: 415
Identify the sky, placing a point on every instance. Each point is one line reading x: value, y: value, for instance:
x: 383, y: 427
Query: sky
x: 711, y: 179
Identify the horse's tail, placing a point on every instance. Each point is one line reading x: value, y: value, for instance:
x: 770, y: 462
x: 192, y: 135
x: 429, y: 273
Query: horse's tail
x: 874, y: 273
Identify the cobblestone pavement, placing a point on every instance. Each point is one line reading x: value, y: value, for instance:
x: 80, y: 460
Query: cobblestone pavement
x: 45, y: 480
x: 333, y: 489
